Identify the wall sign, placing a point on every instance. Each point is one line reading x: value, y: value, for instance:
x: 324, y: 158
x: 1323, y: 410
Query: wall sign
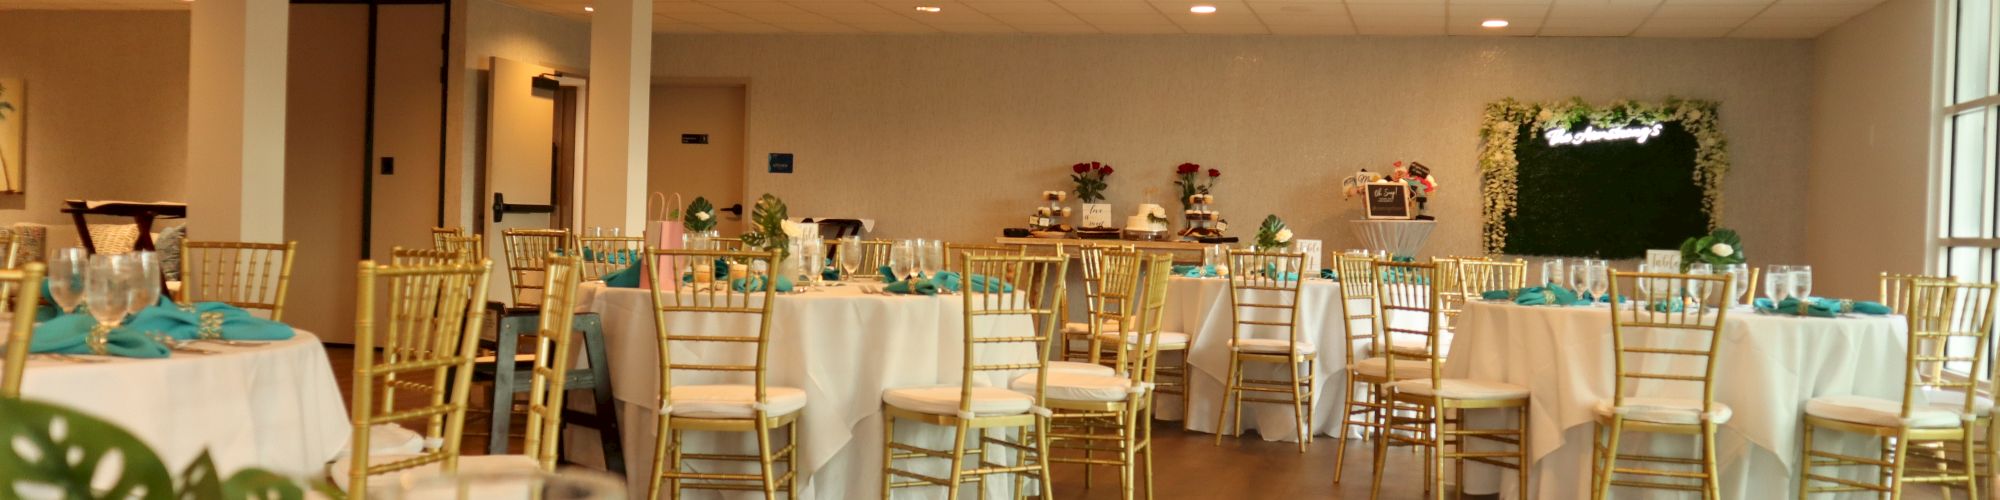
x: 694, y: 138
x: 781, y: 163
x: 1559, y: 136
x: 1390, y: 200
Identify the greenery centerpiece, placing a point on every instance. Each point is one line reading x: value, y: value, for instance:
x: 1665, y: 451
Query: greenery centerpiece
x: 1273, y: 234
x: 771, y: 230
x: 699, y: 217
x: 1719, y: 248
x: 93, y: 458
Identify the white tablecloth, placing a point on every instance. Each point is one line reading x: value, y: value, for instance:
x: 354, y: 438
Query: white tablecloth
x: 273, y: 406
x: 1766, y: 369
x: 842, y: 346
x: 1200, y: 307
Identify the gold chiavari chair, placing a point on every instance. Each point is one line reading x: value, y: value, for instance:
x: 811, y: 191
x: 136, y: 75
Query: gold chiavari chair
x: 757, y: 407
x: 1111, y: 413
x: 1938, y: 311
x: 1264, y: 291
x: 10, y: 243
x: 527, y: 252
x: 25, y: 292
x: 874, y: 255
x: 441, y: 235
x: 604, y: 255
x: 1079, y: 337
x: 432, y: 324
x: 736, y: 245
x: 1479, y: 276
x: 1658, y: 336
x: 1893, y: 288
x: 954, y: 252
x: 470, y: 248
x: 245, y: 275
x: 972, y: 407
x: 1367, y: 369
x: 1117, y: 303
x: 1450, y: 292
x: 1438, y: 423
x: 551, y: 366
x: 399, y: 256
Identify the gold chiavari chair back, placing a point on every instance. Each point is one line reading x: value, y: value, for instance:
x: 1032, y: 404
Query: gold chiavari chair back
x: 1264, y: 292
x: 1156, y: 270
x: 604, y: 255
x: 527, y: 250
x: 1894, y: 288
x: 1405, y: 293
x: 244, y: 275
x: 399, y: 256
x: 441, y: 235
x: 1358, y: 296
x: 10, y: 242
x: 1116, y: 305
x: 552, y: 360
x: 874, y: 255
x: 736, y: 245
x: 426, y: 343
x: 1451, y: 295
x: 470, y: 248
x: 685, y: 283
x: 953, y: 252
x: 1480, y: 276
x: 1666, y: 335
x: 26, y: 293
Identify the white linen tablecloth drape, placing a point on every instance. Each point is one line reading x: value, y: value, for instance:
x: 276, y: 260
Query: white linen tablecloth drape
x: 841, y: 346
x: 1200, y: 307
x: 275, y: 406
x: 1767, y: 367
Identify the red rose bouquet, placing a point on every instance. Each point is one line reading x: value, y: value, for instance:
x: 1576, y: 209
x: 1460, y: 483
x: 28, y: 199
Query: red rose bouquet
x: 1089, y: 178
x: 1192, y: 183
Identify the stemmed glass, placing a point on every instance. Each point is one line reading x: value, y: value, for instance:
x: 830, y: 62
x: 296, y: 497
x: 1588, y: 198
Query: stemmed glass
x: 1697, y: 290
x: 106, y: 288
x: 1600, y: 281
x: 850, y: 257
x: 66, y: 270
x: 1739, y: 280
x: 1801, y: 285
x: 1579, y: 277
x: 144, y: 281
x: 1777, y: 283
x: 902, y: 260
x: 1552, y: 272
x: 930, y: 257
x: 815, y: 256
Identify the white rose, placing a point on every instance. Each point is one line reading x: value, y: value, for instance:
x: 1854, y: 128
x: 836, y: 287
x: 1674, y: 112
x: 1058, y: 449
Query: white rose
x: 792, y: 229
x: 1284, y: 235
x: 1694, y: 115
x: 1545, y: 115
x: 1721, y: 250
x: 701, y: 215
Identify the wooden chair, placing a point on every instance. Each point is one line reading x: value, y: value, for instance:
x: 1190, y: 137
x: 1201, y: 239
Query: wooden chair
x: 1894, y: 288
x: 441, y: 236
x: 755, y: 407
x: 874, y: 255
x: 604, y: 255
x: 1938, y: 312
x: 1649, y: 335
x: 972, y: 408
x: 527, y: 252
x: 1255, y: 297
x: 470, y: 248
x: 954, y: 252
x: 1367, y: 369
x: 1112, y: 412
x: 1115, y: 318
x: 245, y: 275
x: 24, y: 294
x: 736, y: 245
x: 1437, y: 404
x: 427, y: 345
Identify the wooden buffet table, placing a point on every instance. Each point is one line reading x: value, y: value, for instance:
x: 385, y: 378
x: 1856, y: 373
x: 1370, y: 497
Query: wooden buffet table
x: 1183, y: 251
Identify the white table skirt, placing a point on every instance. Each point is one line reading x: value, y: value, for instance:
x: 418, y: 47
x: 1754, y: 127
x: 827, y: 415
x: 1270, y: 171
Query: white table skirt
x: 1766, y: 369
x: 275, y: 406
x: 1200, y: 307
x: 841, y: 346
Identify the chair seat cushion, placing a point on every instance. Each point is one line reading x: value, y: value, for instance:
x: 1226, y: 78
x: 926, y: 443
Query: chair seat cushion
x: 1954, y: 401
x: 1461, y: 389
x: 943, y: 400
x: 1269, y: 346
x: 1664, y: 410
x: 1079, y: 327
x: 1080, y: 368
x: 1405, y: 369
x: 1074, y: 387
x: 1408, y: 344
x: 1879, y: 412
x: 734, y: 401
x: 507, y: 465
x: 392, y: 439
x: 1168, y: 340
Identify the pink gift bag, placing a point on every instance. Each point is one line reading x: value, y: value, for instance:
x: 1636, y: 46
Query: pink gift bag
x: 663, y: 230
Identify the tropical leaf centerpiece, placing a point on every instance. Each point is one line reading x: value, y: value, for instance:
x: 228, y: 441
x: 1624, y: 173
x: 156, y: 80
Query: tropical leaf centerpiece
x: 700, y: 216
x: 771, y: 229
x: 1273, y: 233
x: 77, y: 455
x: 1719, y: 248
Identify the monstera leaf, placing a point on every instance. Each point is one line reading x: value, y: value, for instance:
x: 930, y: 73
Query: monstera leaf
x: 700, y: 216
x: 770, y: 229
x: 59, y: 449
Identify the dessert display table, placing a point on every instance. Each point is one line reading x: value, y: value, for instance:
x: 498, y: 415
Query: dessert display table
x: 1401, y: 238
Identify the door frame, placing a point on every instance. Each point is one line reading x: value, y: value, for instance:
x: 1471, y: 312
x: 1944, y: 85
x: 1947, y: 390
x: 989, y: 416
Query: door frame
x: 748, y: 159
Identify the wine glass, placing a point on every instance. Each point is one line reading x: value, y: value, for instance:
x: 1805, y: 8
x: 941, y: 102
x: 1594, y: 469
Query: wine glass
x: 1579, y: 276
x: 815, y: 259
x: 144, y: 280
x: 850, y: 257
x: 1552, y: 272
x: 106, y: 290
x: 902, y: 259
x: 1600, y: 280
x: 1777, y: 283
x: 930, y: 257
x: 1739, y: 279
x: 66, y: 270
x: 1697, y: 291
x: 1801, y: 285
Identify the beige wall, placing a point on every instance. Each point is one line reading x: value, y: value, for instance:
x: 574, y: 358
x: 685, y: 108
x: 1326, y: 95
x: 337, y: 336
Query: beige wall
x: 1870, y: 168
x: 106, y: 108
x: 491, y: 28
x: 954, y: 136
x: 326, y: 98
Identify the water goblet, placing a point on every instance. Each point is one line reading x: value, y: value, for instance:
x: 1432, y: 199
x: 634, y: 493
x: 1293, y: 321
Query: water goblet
x: 930, y: 257
x: 66, y: 272
x: 1801, y: 284
x: 850, y: 256
x: 106, y: 288
x: 902, y: 259
x: 1777, y: 283
x: 144, y: 279
x: 1739, y: 281
x: 1552, y: 272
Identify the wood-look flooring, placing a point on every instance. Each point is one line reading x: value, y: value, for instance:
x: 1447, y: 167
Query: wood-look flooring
x: 1189, y: 465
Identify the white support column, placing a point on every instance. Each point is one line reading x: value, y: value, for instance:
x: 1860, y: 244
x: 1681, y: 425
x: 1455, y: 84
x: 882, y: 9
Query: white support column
x: 621, y: 82
x: 236, y: 119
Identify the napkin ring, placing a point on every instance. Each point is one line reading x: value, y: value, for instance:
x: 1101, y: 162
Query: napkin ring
x: 1846, y: 305
x: 1548, y: 297
x: 100, y: 336
x: 211, y: 326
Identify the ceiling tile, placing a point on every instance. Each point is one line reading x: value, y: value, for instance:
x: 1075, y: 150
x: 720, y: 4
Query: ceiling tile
x: 1599, y: 30
x: 1600, y: 8
x: 1144, y: 18
x: 1013, y: 6
x: 1471, y: 27
x: 1307, y: 20
x: 1269, y: 8
x: 1056, y: 29
x: 1839, y: 10
x: 1508, y: 12
x: 976, y: 28
x: 1115, y: 7
x: 1777, y: 32
x: 1140, y: 29
x: 1290, y: 29
x: 818, y: 28
x: 1227, y: 29
x: 671, y: 8
x: 743, y: 28
x: 1679, y: 32
x: 1794, y: 22
x: 1619, y: 24
x: 710, y: 17
x: 1437, y: 3
x: 756, y: 7
x: 1396, y: 10
x: 1020, y: 19
x: 876, y: 17
x: 1704, y: 23
x: 1399, y: 30
x: 1743, y: 11
x: 679, y: 27
x: 905, y: 26
x: 838, y: 7
x: 789, y: 17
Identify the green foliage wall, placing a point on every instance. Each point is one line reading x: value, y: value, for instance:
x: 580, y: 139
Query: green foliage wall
x: 1611, y: 199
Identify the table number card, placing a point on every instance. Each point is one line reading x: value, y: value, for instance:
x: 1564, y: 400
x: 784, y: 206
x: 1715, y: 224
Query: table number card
x: 1097, y: 215
x: 1313, y: 249
x: 1666, y: 261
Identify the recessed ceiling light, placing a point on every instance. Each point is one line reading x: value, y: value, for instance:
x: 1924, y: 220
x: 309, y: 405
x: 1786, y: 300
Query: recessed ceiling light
x: 1202, y: 9
x: 930, y: 8
x: 1494, y: 23
x: 588, y: 8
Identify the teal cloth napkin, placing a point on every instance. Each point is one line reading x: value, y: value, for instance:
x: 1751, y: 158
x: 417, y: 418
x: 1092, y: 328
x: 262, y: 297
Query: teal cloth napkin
x: 952, y: 282
x: 1536, y: 296
x: 1272, y: 271
x: 624, y: 278
x: 1194, y: 271
x: 212, y: 320
x: 832, y: 272
x: 1329, y: 274
x: 70, y: 334
x: 919, y: 286
x: 756, y: 284
x: 1821, y: 307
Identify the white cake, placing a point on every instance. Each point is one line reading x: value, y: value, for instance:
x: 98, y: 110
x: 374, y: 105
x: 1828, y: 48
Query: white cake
x: 1143, y: 221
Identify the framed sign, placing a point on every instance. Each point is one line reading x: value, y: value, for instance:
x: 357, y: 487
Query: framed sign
x: 1390, y: 200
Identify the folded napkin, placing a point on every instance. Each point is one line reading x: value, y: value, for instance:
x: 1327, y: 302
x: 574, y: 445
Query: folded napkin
x: 1821, y: 307
x: 624, y: 278
x: 951, y: 282
x: 1194, y: 271
x: 756, y: 284
x: 206, y: 320
x: 70, y: 334
x: 1536, y: 296
x: 832, y: 272
x: 1329, y: 274
x: 919, y: 286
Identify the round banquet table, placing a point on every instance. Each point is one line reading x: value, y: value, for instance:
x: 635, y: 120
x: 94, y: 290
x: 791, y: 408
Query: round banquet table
x: 274, y: 406
x: 1766, y: 368
x: 1200, y: 308
x: 842, y: 346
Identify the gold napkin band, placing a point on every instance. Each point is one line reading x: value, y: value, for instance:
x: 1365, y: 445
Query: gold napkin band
x: 1548, y: 298
x: 100, y: 336
x: 211, y: 326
